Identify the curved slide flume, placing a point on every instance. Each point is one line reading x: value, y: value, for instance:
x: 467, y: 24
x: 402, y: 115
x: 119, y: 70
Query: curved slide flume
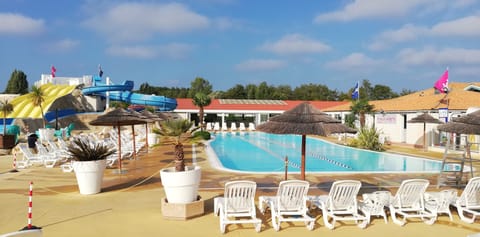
x: 122, y: 92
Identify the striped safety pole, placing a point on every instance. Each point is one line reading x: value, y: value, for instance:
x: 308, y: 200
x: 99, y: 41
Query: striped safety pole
x: 30, y: 206
x: 14, y: 161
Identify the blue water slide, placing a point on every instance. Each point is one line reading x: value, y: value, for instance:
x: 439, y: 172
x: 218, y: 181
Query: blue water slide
x: 122, y: 92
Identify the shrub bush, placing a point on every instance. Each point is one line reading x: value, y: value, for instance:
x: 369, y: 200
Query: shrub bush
x: 203, y: 134
x: 368, y: 138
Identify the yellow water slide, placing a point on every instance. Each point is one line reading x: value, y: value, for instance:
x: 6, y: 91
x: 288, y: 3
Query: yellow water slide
x: 23, y: 106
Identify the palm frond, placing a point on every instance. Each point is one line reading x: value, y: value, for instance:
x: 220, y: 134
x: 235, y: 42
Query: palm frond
x: 81, y: 150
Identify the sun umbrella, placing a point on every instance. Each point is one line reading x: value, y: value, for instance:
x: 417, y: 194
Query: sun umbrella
x: 424, y: 118
x: 468, y: 124
x: 117, y: 117
x: 151, y: 117
x: 471, y: 118
x: 304, y: 119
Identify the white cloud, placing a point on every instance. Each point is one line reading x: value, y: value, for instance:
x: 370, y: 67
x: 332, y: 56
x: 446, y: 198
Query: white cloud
x: 446, y: 56
x: 463, y: 27
x: 359, y: 9
x: 174, y: 50
x: 295, y: 44
x: 472, y: 72
x: 64, y: 45
x: 139, y: 21
x: 406, y: 33
x: 467, y: 26
x: 20, y: 25
x: 169, y: 51
x: 354, y: 60
x: 144, y: 52
x: 260, y: 65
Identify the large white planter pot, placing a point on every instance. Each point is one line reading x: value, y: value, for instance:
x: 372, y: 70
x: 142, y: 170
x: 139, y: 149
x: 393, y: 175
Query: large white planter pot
x: 181, y: 187
x: 24, y: 233
x: 89, y: 175
x: 152, y: 139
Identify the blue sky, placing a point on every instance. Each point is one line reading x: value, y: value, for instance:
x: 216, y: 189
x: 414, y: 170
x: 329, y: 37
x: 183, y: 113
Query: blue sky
x: 404, y: 44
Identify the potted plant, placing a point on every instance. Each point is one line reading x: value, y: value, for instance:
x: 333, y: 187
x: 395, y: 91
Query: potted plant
x: 180, y: 182
x: 89, y: 163
x: 7, y: 141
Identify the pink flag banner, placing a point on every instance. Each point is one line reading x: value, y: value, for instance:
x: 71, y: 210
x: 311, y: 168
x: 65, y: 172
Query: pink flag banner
x: 442, y: 83
x: 54, y: 70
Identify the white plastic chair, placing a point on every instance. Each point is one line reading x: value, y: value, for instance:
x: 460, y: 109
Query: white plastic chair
x: 237, y: 205
x: 409, y: 202
x: 468, y: 204
x: 439, y: 202
x: 374, y: 204
x: 251, y: 126
x: 233, y: 127
x: 224, y: 127
x: 242, y: 127
x: 216, y: 126
x: 341, y: 204
x: 209, y: 127
x: 28, y: 157
x: 290, y: 204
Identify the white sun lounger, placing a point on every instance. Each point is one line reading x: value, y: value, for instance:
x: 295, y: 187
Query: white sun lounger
x: 289, y: 205
x: 237, y: 206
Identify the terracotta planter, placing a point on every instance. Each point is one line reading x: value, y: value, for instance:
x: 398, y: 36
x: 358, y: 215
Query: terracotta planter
x: 89, y: 175
x: 7, y: 141
x: 181, y: 187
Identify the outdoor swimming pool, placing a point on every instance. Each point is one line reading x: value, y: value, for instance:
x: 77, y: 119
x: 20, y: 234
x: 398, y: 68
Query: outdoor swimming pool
x: 263, y: 152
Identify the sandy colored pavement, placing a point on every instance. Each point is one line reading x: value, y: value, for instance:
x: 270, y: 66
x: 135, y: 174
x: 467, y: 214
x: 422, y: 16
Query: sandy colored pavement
x: 130, y: 204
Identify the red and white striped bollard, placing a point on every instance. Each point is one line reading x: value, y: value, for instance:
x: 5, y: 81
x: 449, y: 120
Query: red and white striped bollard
x: 14, y: 161
x: 30, y: 206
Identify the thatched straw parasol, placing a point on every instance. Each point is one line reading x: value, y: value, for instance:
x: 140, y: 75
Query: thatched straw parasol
x: 468, y: 124
x: 151, y: 117
x: 471, y: 118
x: 117, y: 117
x: 304, y: 119
x: 424, y: 118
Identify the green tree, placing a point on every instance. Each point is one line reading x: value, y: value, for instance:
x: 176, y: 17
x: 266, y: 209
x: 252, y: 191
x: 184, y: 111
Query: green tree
x: 282, y: 92
x: 314, y: 92
x: 199, y: 85
x: 175, y: 129
x: 201, y: 100
x: 362, y: 107
x: 236, y: 92
x: 406, y: 92
x: 264, y: 91
x: 381, y: 92
x: 366, y: 90
x: 17, y: 84
x: 6, y: 109
x: 38, y: 97
x: 251, y: 89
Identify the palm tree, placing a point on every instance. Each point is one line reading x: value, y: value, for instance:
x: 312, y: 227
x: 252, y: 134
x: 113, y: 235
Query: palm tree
x: 6, y: 109
x: 201, y: 100
x: 175, y: 129
x: 38, y: 97
x: 362, y: 107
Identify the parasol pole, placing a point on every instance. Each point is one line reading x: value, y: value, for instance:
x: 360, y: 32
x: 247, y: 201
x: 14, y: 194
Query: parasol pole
x: 302, y: 174
x: 134, y: 146
x: 424, y: 137
x: 146, y: 132
x: 286, y: 167
x: 119, y: 150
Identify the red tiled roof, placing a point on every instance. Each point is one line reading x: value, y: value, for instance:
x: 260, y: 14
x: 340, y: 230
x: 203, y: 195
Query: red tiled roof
x: 186, y: 104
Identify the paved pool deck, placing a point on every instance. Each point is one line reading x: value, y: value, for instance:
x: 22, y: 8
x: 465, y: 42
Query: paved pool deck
x: 130, y: 203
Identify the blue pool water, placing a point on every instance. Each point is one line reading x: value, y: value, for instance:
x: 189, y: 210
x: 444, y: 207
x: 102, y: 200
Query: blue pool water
x: 263, y: 152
